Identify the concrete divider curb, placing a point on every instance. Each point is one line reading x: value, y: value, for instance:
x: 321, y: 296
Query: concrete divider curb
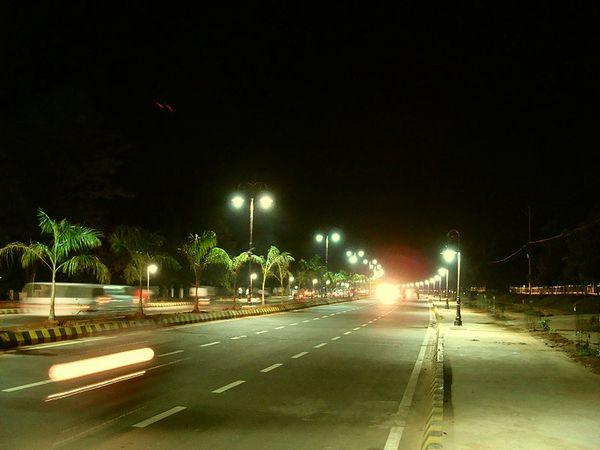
x: 10, y: 339
x: 433, y: 433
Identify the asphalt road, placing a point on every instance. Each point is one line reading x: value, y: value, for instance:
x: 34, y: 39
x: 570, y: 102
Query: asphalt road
x: 325, y: 377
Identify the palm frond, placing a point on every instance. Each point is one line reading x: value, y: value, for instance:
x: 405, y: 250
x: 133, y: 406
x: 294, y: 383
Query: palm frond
x: 29, y: 253
x: 87, y: 263
x: 166, y: 261
x: 126, y: 239
x: 75, y: 238
x: 220, y: 257
x: 47, y: 225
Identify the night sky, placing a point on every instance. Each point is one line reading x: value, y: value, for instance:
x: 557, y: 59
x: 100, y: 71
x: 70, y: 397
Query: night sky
x: 394, y: 124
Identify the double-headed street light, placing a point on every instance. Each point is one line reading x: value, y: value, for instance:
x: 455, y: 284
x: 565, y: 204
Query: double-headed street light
x: 353, y: 257
x: 449, y: 255
x: 335, y: 237
x: 265, y: 202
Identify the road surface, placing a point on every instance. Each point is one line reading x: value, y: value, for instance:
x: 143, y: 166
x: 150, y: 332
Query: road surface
x: 325, y: 377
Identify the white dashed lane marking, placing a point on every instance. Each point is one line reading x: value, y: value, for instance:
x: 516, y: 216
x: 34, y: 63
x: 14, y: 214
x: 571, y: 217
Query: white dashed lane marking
x: 322, y: 344
x: 279, y: 328
x: 228, y: 386
x: 335, y: 338
x: 263, y: 331
x: 348, y: 332
x: 25, y: 386
x: 210, y: 343
x: 158, y: 417
x: 170, y: 353
x: 274, y: 366
x: 300, y: 355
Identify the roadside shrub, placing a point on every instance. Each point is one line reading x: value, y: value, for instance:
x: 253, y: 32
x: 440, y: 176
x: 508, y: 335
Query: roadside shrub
x: 544, y: 324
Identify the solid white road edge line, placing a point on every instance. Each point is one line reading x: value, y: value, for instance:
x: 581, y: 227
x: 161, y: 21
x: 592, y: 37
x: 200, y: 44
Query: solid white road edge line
x: 395, y: 435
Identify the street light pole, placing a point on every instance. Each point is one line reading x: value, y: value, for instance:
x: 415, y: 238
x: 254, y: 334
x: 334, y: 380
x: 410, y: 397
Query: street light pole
x: 449, y: 255
x: 458, y: 320
x: 151, y: 268
x: 250, y: 249
x: 265, y: 201
x: 447, y: 305
x: 326, y: 253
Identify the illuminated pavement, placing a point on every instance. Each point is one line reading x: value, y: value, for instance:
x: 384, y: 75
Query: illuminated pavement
x: 324, y: 377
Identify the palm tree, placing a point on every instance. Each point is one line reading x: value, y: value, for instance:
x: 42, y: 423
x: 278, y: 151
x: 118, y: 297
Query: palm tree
x: 65, y: 252
x: 202, y: 251
x: 309, y: 269
x: 282, y: 270
x: 232, y: 265
x: 269, y: 263
x: 357, y: 278
x: 140, y: 248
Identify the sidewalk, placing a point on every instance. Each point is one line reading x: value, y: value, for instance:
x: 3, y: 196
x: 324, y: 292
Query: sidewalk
x: 505, y: 389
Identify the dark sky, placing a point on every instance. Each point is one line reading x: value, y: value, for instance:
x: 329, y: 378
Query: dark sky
x: 394, y: 124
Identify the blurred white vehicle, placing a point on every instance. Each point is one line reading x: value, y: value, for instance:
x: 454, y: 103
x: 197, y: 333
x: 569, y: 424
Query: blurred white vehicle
x: 78, y: 298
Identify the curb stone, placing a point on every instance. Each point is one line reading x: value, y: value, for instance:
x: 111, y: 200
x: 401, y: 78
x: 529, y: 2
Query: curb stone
x: 11, y: 339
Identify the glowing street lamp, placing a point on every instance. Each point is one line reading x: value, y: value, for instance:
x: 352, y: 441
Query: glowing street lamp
x: 449, y: 255
x: 150, y: 269
x: 443, y: 272
x: 335, y: 237
x: 438, y: 278
x: 361, y: 253
x: 265, y: 201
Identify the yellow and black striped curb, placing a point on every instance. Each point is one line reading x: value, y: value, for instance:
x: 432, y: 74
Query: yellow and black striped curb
x: 14, y: 310
x: 433, y: 433
x: 11, y: 339
x: 165, y: 304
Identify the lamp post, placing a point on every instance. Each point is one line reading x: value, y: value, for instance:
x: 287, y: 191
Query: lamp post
x: 150, y: 269
x: 335, y: 237
x: 252, y: 277
x: 290, y: 281
x: 265, y: 201
x: 439, y: 279
x: 443, y: 272
x: 449, y: 255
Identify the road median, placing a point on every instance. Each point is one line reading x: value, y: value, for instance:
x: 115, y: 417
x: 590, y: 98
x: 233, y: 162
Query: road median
x: 11, y: 339
x: 433, y: 431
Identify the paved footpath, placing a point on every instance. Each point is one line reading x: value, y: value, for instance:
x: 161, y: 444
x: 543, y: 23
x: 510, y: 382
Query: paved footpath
x: 506, y: 389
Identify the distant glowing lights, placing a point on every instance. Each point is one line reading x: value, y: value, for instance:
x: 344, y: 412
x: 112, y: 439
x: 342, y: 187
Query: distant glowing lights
x: 387, y: 293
